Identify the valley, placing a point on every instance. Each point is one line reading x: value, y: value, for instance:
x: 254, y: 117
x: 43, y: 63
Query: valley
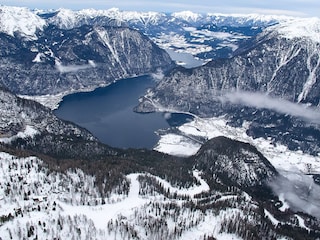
x: 195, y: 126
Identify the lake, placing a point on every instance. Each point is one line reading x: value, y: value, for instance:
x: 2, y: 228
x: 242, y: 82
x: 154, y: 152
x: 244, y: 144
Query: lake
x: 185, y: 59
x: 108, y: 114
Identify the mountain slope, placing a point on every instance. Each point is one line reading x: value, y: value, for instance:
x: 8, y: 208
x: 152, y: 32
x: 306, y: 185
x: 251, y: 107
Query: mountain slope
x: 20, y: 21
x: 62, y: 49
x: 39, y: 58
x: 46, y: 203
x: 235, y: 163
x: 286, y: 68
x: 60, y: 182
x: 61, y: 60
x: 269, y: 83
x: 204, y: 36
x: 26, y: 124
x: 78, y: 187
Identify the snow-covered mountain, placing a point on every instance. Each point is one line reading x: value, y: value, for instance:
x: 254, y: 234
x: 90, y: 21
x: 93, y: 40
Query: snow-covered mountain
x: 58, y: 181
x: 204, y: 36
x: 55, y: 61
x: 21, y: 21
x: 269, y: 83
x: 236, y: 162
x: 187, y: 32
x: 283, y: 61
x: 18, y: 115
x: 44, y: 200
x: 55, y: 52
x: 70, y: 19
x: 43, y: 40
x: 299, y: 28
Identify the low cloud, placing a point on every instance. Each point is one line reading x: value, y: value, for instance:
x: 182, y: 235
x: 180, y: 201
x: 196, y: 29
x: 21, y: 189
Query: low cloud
x: 259, y: 100
x: 299, y: 191
x: 158, y: 75
x: 74, y: 68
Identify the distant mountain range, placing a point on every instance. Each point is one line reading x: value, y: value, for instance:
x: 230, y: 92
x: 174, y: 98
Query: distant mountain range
x: 53, y: 53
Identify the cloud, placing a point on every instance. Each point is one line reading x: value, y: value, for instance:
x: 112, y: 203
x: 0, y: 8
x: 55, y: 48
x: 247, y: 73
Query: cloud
x: 259, y: 100
x: 73, y: 68
x: 299, y: 191
x: 158, y: 75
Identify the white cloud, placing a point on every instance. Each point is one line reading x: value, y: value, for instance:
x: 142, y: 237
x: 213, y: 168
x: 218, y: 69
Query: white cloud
x: 299, y: 191
x: 259, y: 100
x: 73, y: 68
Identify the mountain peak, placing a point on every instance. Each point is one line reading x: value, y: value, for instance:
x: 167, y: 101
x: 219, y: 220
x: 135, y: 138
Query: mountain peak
x: 187, y: 15
x: 22, y: 20
x: 299, y: 28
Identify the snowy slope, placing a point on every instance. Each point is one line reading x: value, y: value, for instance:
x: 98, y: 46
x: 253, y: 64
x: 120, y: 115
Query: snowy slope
x: 20, y: 20
x: 279, y: 155
x: 38, y: 202
x: 23, y: 118
x: 308, y: 28
x: 61, y: 201
x: 67, y: 19
x: 298, y: 167
x: 187, y: 16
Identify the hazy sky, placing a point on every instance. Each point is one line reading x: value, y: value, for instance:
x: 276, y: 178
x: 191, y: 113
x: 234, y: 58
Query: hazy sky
x: 287, y: 7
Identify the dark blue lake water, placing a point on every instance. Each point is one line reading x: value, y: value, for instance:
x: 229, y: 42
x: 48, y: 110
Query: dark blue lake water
x: 108, y: 114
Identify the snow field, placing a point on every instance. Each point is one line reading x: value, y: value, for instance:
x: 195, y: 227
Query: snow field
x: 279, y: 155
x: 45, y: 204
x: 29, y: 131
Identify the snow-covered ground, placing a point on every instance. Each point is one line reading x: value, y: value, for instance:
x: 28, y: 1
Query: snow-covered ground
x: 35, y: 201
x: 191, y: 192
x: 50, y: 101
x: 53, y: 101
x: 22, y: 20
x: 180, y: 44
x: 102, y: 214
x: 29, y: 131
x: 295, y: 166
x: 299, y: 28
x: 197, y: 42
x: 279, y: 155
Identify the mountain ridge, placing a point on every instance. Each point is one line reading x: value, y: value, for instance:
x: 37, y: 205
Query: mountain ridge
x: 71, y: 18
x: 281, y: 67
x: 60, y: 61
x: 264, y: 83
